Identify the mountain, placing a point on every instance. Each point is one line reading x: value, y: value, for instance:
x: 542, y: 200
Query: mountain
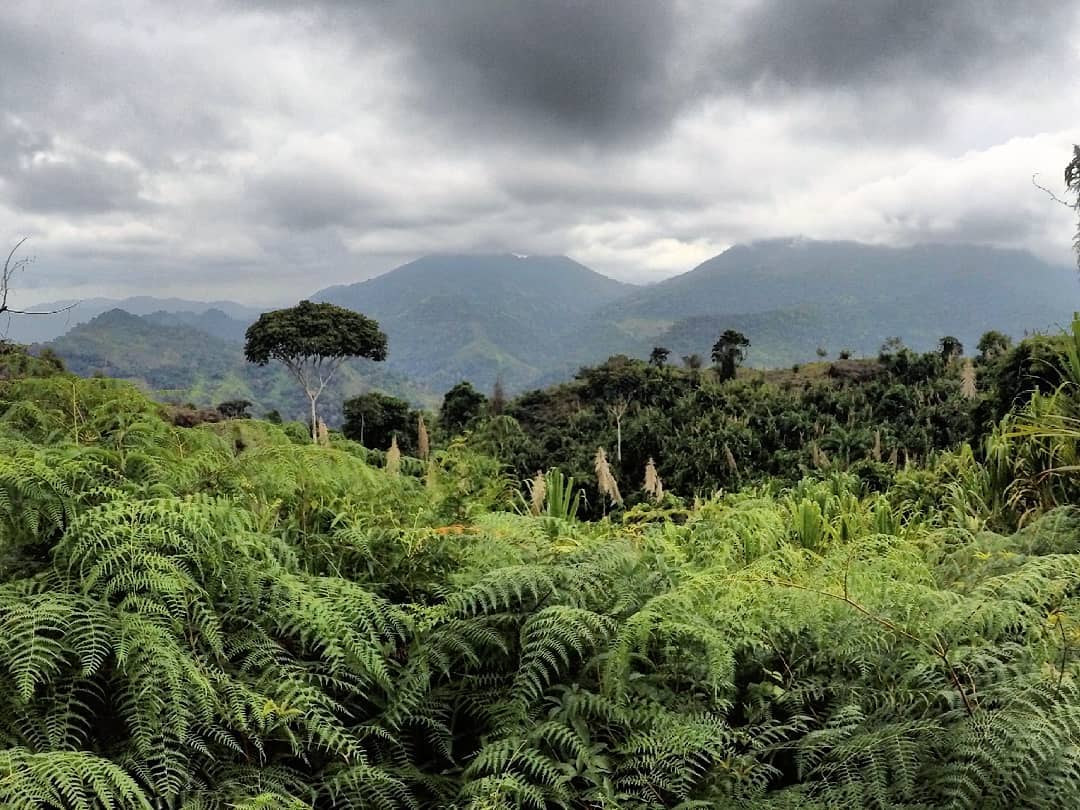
x: 451, y: 318
x: 534, y: 320
x: 213, y: 321
x: 42, y: 328
x: 181, y: 363
x: 791, y: 296
x: 789, y: 273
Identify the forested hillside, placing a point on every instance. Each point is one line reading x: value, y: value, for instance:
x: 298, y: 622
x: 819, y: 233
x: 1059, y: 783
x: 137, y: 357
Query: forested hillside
x: 478, y: 318
x: 178, y: 358
x: 232, y: 616
x: 534, y: 321
x: 795, y: 295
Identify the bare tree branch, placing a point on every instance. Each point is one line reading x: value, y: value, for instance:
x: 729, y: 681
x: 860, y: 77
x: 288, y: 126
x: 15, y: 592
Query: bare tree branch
x: 11, y: 267
x: 1050, y: 194
x: 11, y: 311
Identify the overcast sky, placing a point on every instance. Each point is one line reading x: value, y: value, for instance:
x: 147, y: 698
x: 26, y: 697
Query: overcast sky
x: 262, y: 150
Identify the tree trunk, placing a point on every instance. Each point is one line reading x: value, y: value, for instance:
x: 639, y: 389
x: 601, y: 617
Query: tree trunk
x: 314, y: 420
x: 618, y: 439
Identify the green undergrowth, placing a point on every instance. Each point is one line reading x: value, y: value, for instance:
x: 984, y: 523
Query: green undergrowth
x: 227, y: 617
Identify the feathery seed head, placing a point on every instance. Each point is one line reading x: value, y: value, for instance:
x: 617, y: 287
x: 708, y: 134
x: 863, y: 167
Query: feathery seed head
x: 538, y: 493
x: 393, y: 458
x: 653, y: 485
x: 604, y: 479
x: 968, y: 387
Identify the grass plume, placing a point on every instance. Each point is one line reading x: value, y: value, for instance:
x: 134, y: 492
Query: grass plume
x: 605, y: 481
x: 654, y: 487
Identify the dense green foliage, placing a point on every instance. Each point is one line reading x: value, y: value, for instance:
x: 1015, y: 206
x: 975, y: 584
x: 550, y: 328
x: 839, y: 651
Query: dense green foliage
x: 870, y: 417
x: 462, y: 405
x: 230, y: 617
x: 374, y: 419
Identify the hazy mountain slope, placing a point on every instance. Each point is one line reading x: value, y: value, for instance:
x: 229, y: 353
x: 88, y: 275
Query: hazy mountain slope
x: 119, y: 344
x: 791, y: 273
x: 212, y: 321
x: 450, y: 318
x: 42, y: 328
x: 181, y: 363
x: 791, y: 296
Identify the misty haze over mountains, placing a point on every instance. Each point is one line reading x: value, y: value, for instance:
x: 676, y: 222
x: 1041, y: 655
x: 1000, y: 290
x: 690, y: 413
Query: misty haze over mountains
x: 533, y: 320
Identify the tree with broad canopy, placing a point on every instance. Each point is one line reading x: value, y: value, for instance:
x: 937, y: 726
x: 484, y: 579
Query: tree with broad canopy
x: 312, y: 341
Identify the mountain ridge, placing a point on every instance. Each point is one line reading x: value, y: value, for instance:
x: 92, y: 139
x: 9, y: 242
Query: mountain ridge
x: 533, y: 320
x: 43, y: 328
x: 511, y: 309
x: 792, y: 296
x: 764, y: 267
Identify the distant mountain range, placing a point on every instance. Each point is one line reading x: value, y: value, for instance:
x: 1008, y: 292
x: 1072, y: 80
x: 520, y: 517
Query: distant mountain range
x: 42, y: 328
x: 532, y: 320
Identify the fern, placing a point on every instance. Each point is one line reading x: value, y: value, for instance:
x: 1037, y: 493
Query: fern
x: 74, y: 780
x: 188, y: 625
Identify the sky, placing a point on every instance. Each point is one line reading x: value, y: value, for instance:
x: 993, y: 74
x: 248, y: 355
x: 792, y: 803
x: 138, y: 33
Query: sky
x: 261, y: 150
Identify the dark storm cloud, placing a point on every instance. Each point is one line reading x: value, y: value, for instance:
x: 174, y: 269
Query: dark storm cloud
x: 599, y: 70
x: 611, y: 73
x: 558, y: 68
x: 844, y: 44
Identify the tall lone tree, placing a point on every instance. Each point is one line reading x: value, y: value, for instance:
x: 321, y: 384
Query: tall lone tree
x: 312, y: 341
x: 728, y: 352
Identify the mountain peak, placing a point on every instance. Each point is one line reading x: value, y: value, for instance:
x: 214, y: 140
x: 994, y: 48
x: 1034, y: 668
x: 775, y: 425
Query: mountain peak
x: 451, y: 317
x: 114, y: 317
